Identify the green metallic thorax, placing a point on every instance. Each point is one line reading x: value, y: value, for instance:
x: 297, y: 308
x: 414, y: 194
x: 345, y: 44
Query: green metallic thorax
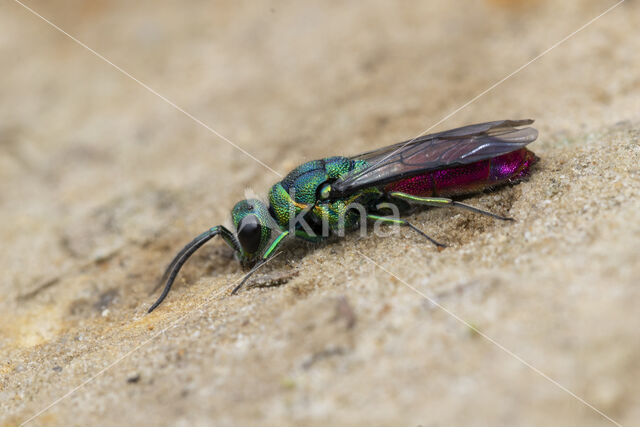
x: 300, y: 195
x: 299, y: 191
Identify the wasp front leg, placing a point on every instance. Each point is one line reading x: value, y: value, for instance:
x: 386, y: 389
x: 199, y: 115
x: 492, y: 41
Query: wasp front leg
x: 313, y: 238
x: 265, y: 257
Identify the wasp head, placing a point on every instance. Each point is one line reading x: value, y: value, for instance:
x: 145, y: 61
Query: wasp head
x: 253, y: 225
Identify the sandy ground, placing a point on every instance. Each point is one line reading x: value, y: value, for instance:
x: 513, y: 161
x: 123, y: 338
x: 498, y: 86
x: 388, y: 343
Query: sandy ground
x: 101, y: 182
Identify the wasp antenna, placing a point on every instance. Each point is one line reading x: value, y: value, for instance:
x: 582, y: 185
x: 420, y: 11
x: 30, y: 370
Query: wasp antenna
x: 179, y: 260
x: 176, y: 258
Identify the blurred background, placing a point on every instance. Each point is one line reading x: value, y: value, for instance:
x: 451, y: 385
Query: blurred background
x: 102, y: 181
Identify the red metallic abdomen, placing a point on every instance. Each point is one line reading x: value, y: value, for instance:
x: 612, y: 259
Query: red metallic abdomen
x: 467, y: 179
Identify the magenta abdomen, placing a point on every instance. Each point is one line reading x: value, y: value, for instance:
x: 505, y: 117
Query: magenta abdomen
x: 469, y: 178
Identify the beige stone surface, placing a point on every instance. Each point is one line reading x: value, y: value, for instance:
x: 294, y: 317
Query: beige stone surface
x: 101, y: 182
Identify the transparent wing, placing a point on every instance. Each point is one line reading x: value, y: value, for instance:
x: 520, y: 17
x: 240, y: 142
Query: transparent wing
x: 454, y: 147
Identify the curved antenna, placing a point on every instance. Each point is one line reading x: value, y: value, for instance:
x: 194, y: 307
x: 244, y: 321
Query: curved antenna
x: 178, y: 261
x: 176, y: 258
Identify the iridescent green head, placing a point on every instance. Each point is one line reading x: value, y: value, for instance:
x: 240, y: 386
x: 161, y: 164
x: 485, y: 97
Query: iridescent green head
x: 253, y: 225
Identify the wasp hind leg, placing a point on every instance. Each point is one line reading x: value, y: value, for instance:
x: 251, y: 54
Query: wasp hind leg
x: 391, y: 220
x: 441, y: 202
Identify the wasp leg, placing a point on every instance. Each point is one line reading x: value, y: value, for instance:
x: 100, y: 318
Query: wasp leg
x: 301, y: 234
x: 390, y: 220
x: 444, y: 202
x: 270, y: 250
x: 246, y: 277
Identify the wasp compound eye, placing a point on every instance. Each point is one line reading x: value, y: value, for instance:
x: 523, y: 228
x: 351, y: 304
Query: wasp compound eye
x: 250, y: 233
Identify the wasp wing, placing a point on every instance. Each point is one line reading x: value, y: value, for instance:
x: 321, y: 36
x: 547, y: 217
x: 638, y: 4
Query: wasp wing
x: 460, y: 146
